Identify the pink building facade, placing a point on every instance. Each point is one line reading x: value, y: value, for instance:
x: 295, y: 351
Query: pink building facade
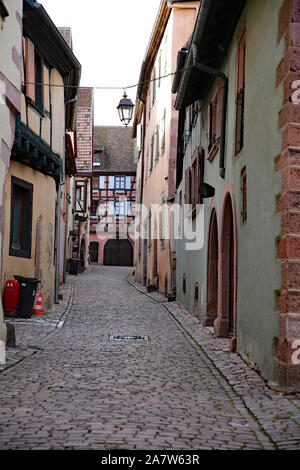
x: 155, y: 130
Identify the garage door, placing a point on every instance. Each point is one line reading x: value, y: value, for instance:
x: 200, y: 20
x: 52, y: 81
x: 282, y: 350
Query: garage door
x: 118, y: 253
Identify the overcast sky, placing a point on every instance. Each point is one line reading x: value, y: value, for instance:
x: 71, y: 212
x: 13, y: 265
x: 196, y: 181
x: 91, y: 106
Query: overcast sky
x: 110, y: 40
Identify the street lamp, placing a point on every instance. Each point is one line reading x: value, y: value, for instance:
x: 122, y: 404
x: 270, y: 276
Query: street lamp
x: 125, y: 109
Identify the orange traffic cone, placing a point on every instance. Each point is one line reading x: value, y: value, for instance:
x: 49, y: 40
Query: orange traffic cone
x: 38, y: 306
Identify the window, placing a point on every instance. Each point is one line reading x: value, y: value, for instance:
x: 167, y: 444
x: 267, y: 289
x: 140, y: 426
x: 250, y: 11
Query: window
x: 149, y: 104
x: 197, y: 177
x: 111, y: 182
x: 195, y: 183
x: 120, y: 182
x: 97, y: 159
x: 154, y: 86
x: 159, y: 69
x: 187, y: 190
x: 102, y: 182
x: 244, y: 195
x: 111, y: 208
x: 21, y: 218
x: 39, y: 101
x: 240, y: 94
x: 151, y: 152
x: 120, y: 208
x: 157, y: 145
x: 163, y: 131
x: 193, y: 112
x: 214, y: 111
x: 147, y: 160
x: 165, y: 55
x: 128, y: 182
x: 78, y: 193
x: 34, y: 76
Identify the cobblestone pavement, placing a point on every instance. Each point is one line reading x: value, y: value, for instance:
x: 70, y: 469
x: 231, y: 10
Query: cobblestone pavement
x: 71, y: 386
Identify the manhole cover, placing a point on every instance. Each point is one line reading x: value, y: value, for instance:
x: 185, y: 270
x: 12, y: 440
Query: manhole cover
x: 127, y: 337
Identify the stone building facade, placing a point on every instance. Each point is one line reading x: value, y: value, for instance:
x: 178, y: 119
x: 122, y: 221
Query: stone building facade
x: 237, y: 158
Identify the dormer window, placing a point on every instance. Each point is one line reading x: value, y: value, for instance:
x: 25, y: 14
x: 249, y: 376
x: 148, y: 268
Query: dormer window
x: 97, y: 158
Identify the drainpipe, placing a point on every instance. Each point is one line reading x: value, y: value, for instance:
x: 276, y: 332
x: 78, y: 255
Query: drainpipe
x: 216, y: 73
x: 61, y: 183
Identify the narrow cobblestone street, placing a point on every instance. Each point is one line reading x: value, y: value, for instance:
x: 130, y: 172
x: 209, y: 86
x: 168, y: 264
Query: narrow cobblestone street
x: 77, y: 388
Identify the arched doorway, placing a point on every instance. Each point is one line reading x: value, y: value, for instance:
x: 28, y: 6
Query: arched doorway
x: 212, y: 272
x: 118, y: 252
x: 225, y: 323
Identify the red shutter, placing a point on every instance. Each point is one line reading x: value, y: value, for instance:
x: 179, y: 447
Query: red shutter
x: 30, y: 69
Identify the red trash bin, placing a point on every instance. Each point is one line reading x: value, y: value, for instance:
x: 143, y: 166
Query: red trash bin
x: 11, y: 298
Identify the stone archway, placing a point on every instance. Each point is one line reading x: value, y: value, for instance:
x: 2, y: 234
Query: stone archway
x: 225, y: 322
x: 212, y: 271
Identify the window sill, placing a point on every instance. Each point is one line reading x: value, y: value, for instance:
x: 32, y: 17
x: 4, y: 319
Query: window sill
x: 19, y: 253
x: 37, y: 110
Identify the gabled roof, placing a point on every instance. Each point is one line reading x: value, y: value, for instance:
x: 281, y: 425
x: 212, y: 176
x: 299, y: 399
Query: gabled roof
x: 215, y: 25
x: 118, y: 149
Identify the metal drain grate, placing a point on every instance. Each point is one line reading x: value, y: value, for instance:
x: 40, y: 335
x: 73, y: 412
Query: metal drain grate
x: 128, y: 337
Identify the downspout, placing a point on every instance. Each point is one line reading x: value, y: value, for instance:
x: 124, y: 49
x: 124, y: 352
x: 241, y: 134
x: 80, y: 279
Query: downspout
x: 216, y: 73
x: 61, y: 183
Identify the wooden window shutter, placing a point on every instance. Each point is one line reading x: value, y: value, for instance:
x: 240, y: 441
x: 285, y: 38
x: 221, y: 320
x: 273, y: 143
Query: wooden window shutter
x: 30, y: 69
x: 187, y: 193
x: 220, y: 94
x: 200, y: 174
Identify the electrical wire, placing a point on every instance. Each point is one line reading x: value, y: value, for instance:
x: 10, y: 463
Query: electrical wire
x: 109, y: 87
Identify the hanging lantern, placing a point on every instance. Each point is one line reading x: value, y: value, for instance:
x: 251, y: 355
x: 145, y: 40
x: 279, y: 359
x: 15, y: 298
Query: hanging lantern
x: 125, y: 109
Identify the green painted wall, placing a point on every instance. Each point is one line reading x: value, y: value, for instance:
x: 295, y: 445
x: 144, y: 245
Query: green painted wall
x: 259, y: 270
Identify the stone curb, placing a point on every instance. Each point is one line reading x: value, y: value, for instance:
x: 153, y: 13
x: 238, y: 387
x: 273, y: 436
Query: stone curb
x: 245, y: 381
